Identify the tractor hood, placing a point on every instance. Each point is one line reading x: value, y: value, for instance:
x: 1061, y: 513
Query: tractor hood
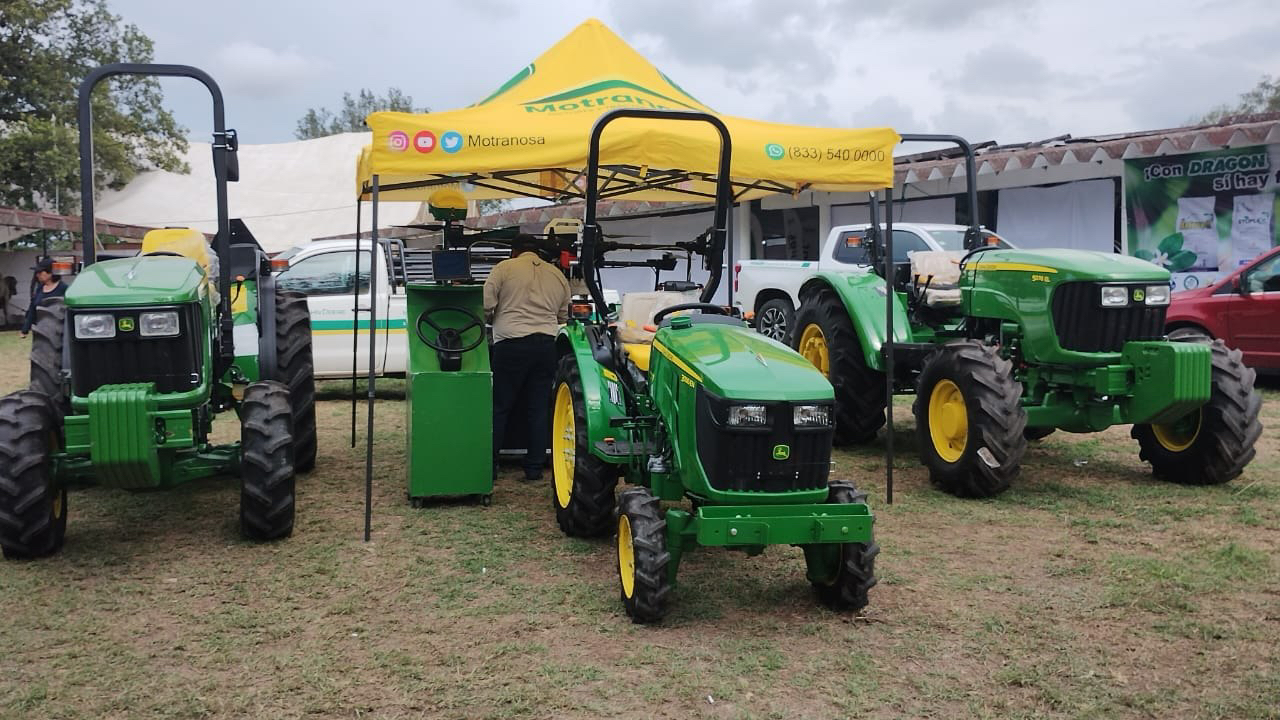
x: 1073, y: 264
x: 146, y: 280
x: 740, y: 364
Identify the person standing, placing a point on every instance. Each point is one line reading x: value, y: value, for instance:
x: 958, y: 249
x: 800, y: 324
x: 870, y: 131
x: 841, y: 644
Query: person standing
x: 47, y: 285
x: 526, y: 299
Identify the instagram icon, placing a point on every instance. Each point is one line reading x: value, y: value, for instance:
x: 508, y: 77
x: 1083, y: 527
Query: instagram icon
x: 398, y: 141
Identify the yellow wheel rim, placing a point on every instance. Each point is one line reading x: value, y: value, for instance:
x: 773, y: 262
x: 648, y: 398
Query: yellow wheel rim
x: 626, y: 557
x: 948, y: 421
x: 1179, y: 434
x: 564, y: 444
x: 813, y: 347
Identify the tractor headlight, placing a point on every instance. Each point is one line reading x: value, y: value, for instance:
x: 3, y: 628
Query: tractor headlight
x: 811, y: 415
x: 158, y: 324
x: 1115, y: 296
x: 1157, y: 294
x: 747, y: 416
x: 95, y: 326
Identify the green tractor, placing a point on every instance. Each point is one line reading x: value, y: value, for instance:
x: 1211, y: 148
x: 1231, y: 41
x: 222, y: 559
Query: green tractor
x: 695, y: 406
x: 128, y: 373
x: 1001, y: 346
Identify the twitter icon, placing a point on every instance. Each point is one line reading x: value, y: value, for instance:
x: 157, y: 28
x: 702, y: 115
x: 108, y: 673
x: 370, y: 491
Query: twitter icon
x: 451, y: 142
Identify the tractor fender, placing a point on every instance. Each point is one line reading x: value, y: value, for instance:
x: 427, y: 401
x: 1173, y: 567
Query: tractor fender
x: 863, y: 295
x: 601, y: 389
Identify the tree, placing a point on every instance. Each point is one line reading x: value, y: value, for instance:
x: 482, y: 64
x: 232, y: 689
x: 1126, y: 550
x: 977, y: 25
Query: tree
x: 1264, y: 97
x: 46, y: 48
x: 350, y: 117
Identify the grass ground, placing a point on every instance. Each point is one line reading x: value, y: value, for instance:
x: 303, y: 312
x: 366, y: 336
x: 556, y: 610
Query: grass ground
x: 1089, y: 590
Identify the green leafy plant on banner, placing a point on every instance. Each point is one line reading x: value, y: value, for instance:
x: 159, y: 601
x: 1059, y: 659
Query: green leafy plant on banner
x: 1169, y: 254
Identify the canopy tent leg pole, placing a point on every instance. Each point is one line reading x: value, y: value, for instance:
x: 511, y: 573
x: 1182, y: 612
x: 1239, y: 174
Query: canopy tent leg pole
x: 373, y: 341
x: 355, y: 327
x: 890, y: 298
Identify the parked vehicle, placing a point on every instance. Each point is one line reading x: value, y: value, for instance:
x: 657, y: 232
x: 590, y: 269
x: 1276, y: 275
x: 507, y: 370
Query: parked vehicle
x: 770, y: 289
x: 1242, y: 309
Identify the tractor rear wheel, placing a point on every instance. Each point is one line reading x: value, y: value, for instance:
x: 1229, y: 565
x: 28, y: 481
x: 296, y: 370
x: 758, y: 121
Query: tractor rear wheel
x: 969, y: 420
x: 825, y: 336
x: 642, y: 555
x: 1211, y: 445
x: 848, y: 570
x: 33, y: 507
x: 266, y: 462
x: 582, y: 484
x: 297, y: 371
x: 46, y: 352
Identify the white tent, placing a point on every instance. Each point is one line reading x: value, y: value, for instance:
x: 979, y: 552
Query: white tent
x: 288, y: 193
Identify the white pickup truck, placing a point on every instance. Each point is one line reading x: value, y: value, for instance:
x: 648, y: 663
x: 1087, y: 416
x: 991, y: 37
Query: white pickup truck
x: 770, y: 289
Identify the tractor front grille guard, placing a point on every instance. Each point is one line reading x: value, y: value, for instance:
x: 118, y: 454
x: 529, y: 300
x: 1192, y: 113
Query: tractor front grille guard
x: 1082, y: 325
x: 774, y: 458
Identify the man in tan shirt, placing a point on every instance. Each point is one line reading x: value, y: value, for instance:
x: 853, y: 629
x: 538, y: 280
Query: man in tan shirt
x: 526, y: 299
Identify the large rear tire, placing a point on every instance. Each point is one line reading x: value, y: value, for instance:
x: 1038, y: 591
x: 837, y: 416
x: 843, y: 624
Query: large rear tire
x: 850, y: 568
x: 970, y: 420
x: 266, y: 462
x: 33, y: 508
x: 825, y: 336
x: 297, y: 371
x: 582, y: 485
x: 1211, y: 445
x: 642, y: 556
x: 46, y: 352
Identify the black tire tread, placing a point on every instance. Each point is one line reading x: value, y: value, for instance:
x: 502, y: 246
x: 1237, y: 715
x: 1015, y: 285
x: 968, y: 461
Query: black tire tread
x: 1229, y: 430
x: 997, y: 419
x: 648, y: 601
x: 266, y: 462
x: 28, y: 528
x: 857, y: 573
x: 591, y: 499
x: 46, y: 352
x: 860, y: 391
x: 296, y: 370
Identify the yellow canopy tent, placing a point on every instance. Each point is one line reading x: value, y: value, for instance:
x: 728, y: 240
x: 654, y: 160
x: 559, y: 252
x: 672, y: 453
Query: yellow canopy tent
x: 529, y: 139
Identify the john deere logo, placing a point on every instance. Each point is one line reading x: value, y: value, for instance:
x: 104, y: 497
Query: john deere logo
x: 125, y: 324
x: 774, y: 151
x: 781, y: 452
x: 1139, y: 295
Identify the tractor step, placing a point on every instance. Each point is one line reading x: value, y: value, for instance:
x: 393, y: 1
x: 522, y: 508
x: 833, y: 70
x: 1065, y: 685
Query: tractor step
x: 625, y: 448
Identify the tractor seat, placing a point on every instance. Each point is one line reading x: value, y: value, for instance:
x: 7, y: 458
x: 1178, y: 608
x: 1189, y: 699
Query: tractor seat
x: 635, y: 318
x: 940, y: 270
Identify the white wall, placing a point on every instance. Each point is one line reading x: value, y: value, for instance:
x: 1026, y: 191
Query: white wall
x: 1078, y: 215
x: 929, y: 210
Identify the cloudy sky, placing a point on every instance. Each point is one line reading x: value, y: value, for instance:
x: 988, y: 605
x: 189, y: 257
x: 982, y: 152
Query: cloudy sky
x: 1009, y: 70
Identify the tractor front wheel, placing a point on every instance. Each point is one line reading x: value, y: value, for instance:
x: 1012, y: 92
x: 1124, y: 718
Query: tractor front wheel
x: 1211, y: 445
x: 969, y: 420
x: 266, y: 462
x: 33, y: 507
x: 824, y: 335
x: 843, y: 574
x: 642, y: 556
x: 582, y: 485
x: 297, y: 371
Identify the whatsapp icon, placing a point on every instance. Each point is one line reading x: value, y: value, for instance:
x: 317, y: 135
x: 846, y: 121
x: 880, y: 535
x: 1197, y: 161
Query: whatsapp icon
x: 774, y: 151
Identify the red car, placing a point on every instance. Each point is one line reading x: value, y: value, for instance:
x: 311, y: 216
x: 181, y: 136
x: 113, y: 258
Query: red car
x: 1243, y: 309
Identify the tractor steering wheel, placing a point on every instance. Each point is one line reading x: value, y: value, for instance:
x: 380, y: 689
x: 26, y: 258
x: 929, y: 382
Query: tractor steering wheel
x: 981, y: 248
x: 704, y: 307
x: 449, y: 335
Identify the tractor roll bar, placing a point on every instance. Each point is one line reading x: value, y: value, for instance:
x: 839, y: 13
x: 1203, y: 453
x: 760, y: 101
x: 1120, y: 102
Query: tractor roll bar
x: 224, y: 147
x: 591, y: 233
x: 973, y: 236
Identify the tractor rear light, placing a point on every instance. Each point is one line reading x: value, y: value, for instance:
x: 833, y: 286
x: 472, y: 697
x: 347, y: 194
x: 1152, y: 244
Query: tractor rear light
x: 1115, y: 296
x: 1157, y: 294
x: 158, y: 324
x: 811, y: 415
x: 747, y: 416
x: 737, y: 268
x: 279, y: 264
x: 580, y: 311
x: 95, y: 326
x: 61, y: 267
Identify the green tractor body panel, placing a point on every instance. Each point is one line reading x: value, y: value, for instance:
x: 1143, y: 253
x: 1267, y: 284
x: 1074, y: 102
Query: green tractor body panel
x: 863, y: 296
x: 600, y: 390
x: 145, y: 280
x: 734, y: 362
x: 244, y: 317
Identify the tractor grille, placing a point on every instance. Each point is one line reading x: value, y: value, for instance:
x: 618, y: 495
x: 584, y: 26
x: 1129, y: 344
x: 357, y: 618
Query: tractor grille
x: 742, y: 460
x: 1083, y: 325
x: 174, y: 364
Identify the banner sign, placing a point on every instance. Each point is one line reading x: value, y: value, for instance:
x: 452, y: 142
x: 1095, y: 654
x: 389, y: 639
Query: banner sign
x: 1202, y: 215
